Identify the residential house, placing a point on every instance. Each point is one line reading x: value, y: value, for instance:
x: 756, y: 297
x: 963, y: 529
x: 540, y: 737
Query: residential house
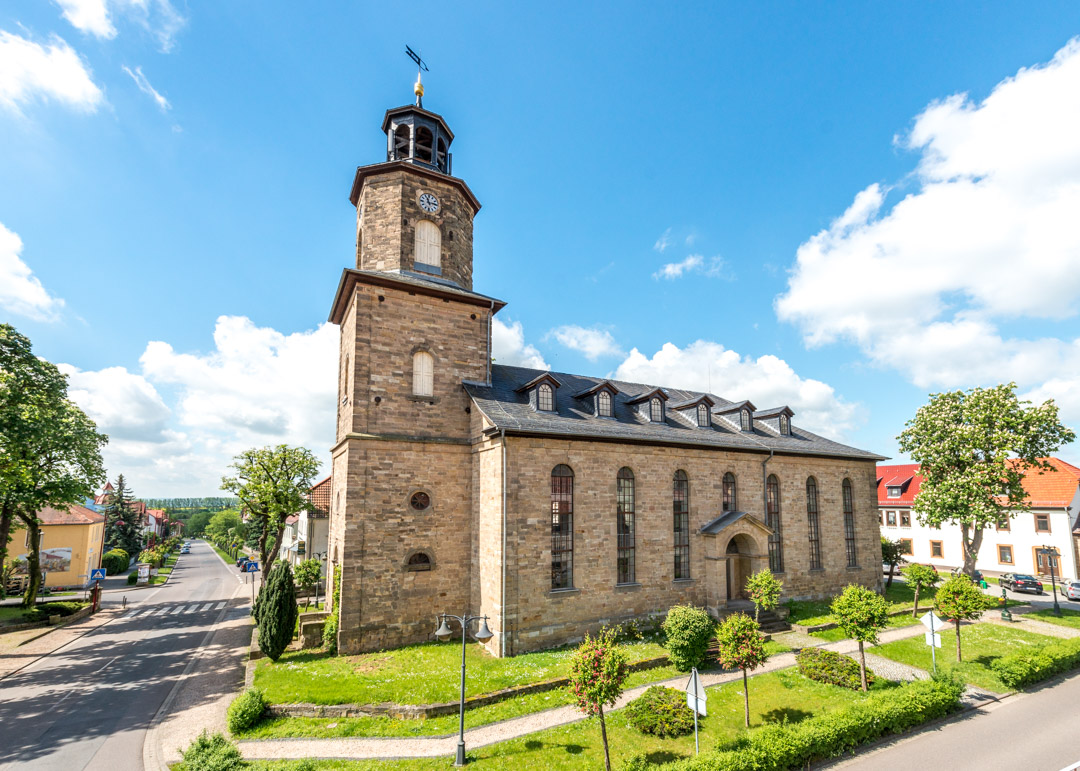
x: 72, y: 542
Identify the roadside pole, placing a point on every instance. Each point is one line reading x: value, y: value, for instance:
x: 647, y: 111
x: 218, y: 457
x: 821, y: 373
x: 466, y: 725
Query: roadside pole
x: 695, y: 700
x: 933, y: 639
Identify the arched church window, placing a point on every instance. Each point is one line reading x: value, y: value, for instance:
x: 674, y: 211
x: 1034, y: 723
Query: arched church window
x: 603, y: 404
x: 813, y: 525
x: 772, y: 519
x: 545, y: 398
x: 731, y: 501
x: 680, y: 505
x: 624, y: 526
x: 423, y: 374
x: 424, y: 142
x: 785, y: 428
x: 656, y: 410
x: 428, y: 245
x: 849, y: 523
x: 401, y: 142
x: 703, y: 415
x: 745, y: 420
x: 562, y: 527
x: 419, y: 561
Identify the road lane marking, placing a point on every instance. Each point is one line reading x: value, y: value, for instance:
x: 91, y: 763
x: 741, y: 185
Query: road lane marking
x: 219, y: 606
x: 206, y: 607
x: 192, y: 607
x: 177, y: 610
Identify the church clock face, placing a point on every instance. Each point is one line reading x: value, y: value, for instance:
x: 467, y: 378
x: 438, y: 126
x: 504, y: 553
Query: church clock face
x: 429, y: 203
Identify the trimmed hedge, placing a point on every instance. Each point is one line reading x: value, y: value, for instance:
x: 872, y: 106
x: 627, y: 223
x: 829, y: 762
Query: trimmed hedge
x: 784, y: 746
x: 832, y: 668
x: 246, y: 710
x: 661, y: 712
x: 115, y: 561
x: 688, y: 631
x: 1022, y: 669
x: 212, y: 752
x: 46, y: 609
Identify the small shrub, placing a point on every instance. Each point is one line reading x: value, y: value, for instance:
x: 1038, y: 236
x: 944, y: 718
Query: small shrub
x: 212, y: 752
x: 1023, y: 669
x: 132, y: 579
x: 115, y: 561
x: 246, y: 710
x: 46, y: 609
x: 688, y: 631
x: 629, y: 631
x: 832, y: 668
x: 661, y: 712
x: 639, y: 761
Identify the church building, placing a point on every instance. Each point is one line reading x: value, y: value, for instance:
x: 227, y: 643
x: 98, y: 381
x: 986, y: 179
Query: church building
x: 550, y: 502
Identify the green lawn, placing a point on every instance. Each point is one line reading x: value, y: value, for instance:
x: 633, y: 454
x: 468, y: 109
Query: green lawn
x: 980, y: 644
x: 814, y: 612
x: 774, y: 696
x: 895, y: 622
x: 11, y: 615
x: 1068, y: 617
x: 164, y: 570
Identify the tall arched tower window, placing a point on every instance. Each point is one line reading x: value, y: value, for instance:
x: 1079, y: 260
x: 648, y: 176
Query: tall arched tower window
x: 428, y: 244
x: 849, y: 523
x: 731, y: 501
x: 423, y: 373
x: 681, y: 511
x: 813, y: 526
x: 772, y: 519
x: 624, y: 521
x: 401, y: 142
x: 562, y: 527
x: 424, y: 141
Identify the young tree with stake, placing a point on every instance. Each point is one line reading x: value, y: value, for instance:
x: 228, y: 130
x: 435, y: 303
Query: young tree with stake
x: 892, y: 554
x: 861, y: 614
x: 741, y: 646
x: 920, y: 578
x: 597, y: 672
x: 764, y: 590
x: 974, y: 448
x: 959, y: 599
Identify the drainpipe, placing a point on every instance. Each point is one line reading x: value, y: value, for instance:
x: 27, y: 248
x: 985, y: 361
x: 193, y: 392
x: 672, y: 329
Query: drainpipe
x: 491, y: 314
x: 502, y: 592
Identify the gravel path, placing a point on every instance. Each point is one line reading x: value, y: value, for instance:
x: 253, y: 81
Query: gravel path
x: 435, y: 746
x: 1032, y: 625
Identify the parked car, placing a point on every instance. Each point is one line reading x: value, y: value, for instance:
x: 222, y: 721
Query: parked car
x: 1071, y: 590
x: 242, y: 560
x: 185, y: 549
x: 1021, y: 582
x: 977, y: 577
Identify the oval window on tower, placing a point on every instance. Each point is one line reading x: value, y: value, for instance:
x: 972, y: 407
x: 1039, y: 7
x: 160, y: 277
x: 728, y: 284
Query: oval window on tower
x: 428, y: 247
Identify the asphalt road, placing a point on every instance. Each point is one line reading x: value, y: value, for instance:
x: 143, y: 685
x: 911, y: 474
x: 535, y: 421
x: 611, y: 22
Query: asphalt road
x: 1029, y: 731
x: 88, y: 705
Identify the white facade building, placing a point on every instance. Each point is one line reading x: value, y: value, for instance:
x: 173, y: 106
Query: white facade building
x: 1054, y: 498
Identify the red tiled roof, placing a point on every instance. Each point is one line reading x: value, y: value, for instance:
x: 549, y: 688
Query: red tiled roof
x: 73, y: 515
x: 292, y: 519
x: 320, y: 497
x: 1049, y: 488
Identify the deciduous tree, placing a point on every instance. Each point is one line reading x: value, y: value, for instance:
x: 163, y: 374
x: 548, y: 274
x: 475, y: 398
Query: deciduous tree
x: 272, y: 483
x: 959, y: 599
x: 598, y: 670
x: 861, y: 614
x: 920, y: 578
x: 741, y: 646
x: 892, y: 554
x: 974, y: 448
x: 764, y: 590
x: 308, y: 573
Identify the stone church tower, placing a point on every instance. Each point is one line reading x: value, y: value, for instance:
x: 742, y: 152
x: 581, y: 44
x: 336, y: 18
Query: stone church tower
x: 412, y: 330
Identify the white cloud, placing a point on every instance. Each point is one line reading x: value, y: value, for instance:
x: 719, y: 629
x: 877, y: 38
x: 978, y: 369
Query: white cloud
x: 663, y: 242
x: 175, y: 426
x: 21, y: 292
x: 508, y: 346
x: 767, y: 381
x: 989, y: 236
x: 714, y: 267
x: 90, y: 16
x: 592, y: 343
x: 146, y: 88
x: 29, y: 71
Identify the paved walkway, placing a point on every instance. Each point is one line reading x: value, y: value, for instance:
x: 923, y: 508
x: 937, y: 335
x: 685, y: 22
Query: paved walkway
x: 436, y: 746
x: 19, y: 649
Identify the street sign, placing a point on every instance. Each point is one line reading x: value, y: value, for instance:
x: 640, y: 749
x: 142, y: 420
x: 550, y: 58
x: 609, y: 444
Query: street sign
x: 932, y: 622
x: 251, y: 567
x: 936, y: 641
x: 695, y: 693
x: 97, y: 574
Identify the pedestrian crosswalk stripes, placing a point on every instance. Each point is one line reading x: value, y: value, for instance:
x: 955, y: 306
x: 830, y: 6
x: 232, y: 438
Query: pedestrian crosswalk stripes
x: 173, y: 610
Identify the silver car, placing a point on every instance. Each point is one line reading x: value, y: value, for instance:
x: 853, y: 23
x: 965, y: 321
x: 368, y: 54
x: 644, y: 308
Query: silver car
x: 1070, y: 590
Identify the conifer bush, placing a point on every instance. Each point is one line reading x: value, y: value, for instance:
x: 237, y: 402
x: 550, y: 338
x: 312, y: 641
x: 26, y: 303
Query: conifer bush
x: 688, y: 631
x: 277, y: 611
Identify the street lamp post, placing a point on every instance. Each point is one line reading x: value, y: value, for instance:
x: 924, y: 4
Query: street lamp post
x: 444, y: 633
x: 320, y: 556
x: 1051, y: 553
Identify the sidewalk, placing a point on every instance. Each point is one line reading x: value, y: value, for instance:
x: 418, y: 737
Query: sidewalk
x: 22, y: 654
x: 435, y: 746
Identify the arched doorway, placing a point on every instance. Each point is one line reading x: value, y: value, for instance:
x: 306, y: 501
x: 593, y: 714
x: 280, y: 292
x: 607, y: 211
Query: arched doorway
x: 738, y: 552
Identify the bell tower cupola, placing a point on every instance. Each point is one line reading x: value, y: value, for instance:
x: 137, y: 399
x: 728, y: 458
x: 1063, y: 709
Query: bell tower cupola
x: 417, y: 136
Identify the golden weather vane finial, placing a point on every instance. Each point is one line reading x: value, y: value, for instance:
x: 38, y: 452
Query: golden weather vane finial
x: 421, y: 65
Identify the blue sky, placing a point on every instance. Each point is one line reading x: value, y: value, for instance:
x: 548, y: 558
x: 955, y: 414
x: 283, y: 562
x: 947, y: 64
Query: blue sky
x: 174, y: 217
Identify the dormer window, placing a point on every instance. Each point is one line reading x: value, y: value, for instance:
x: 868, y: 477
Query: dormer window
x: 656, y: 410
x: 744, y: 420
x: 703, y: 415
x: 603, y: 404
x: 893, y: 491
x: 545, y: 398
x: 785, y: 427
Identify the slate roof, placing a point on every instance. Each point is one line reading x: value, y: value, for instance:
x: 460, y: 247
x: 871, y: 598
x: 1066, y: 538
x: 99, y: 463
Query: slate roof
x: 407, y: 280
x: 511, y: 411
x: 726, y: 519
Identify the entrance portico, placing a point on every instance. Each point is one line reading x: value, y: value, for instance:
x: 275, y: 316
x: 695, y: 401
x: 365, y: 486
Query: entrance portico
x: 733, y: 552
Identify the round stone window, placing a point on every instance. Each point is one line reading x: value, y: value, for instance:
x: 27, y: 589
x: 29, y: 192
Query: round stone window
x: 420, y: 501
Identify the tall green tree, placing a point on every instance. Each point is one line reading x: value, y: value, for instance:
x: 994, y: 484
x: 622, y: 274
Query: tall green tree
x: 276, y: 611
x: 50, y: 451
x: 974, y: 448
x: 892, y: 554
x: 121, y: 520
x: 272, y: 483
x: 861, y: 614
x: 764, y: 590
x: 741, y: 645
x: 959, y: 599
x: 598, y: 671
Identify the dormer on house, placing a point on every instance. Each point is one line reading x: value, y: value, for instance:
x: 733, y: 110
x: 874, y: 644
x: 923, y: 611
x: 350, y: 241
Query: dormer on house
x: 739, y: 413
x: 600, y: 399
x: 698, y: 411
x: 541, y: 391
x: 777, y: 418
x: 651, y: 405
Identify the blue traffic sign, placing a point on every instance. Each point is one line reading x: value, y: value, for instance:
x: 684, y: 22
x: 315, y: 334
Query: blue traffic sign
x: 251, y: 567
x: 97, y: 574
